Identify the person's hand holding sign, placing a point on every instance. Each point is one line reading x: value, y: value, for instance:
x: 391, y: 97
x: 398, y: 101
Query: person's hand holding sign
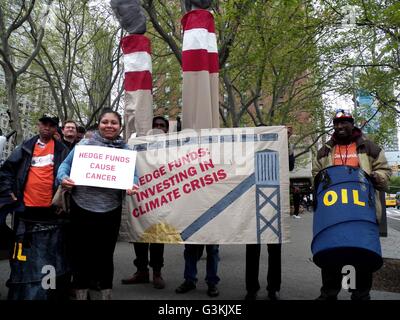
x: 134, y: 190
x: 68, y: 183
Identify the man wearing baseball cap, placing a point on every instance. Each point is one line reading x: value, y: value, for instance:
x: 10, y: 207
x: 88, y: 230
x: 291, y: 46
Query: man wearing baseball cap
x: 48, y: 119
x: 28, y: 181
x: 348, y: 146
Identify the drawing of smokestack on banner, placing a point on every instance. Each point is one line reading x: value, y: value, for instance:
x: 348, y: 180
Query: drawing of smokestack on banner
x: 267, y: 189
x: 266, y: 179
x: 200, y: 68
x: 136, y: 48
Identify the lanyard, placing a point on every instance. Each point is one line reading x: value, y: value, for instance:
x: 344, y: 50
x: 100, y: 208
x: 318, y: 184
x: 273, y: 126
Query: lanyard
x: 340, y: 153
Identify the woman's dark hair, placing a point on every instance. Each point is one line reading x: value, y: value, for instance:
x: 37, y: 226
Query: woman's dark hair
x: 108, y: 110
x: 178, y: 124
x: 81, y: 129
x: 163, y: 119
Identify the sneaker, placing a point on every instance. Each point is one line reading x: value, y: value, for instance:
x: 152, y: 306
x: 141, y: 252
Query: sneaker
x: 138, y: 277
x: 185, y: 287
x: 158, y: 281
x: 296, y: 217
x: 273, y: 295
x: 212, y: 290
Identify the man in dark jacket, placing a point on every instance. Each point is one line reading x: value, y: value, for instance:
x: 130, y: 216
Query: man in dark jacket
x: 70, y: 134
x: 349, y: 147
x: 27, y: 188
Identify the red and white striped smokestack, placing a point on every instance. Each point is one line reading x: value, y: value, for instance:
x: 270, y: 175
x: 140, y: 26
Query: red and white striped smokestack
x: 200, y: 67
x: 138, y: 84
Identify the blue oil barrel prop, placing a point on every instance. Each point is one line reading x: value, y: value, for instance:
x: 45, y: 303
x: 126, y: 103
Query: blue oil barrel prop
x: 345, y: 229
x: 38, y: 244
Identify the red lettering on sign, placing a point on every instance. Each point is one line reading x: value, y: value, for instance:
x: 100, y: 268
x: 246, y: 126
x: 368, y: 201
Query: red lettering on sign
x: 90, y: 155
x: 100, y: 176
x: 156, y: 203
x: 102, y: 166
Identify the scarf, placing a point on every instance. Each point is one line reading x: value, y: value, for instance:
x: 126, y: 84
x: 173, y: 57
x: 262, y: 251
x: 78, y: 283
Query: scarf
x: 98, y: 140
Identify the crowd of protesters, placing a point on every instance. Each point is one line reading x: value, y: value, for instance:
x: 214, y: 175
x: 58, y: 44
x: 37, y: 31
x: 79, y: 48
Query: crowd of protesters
x: 80, y: 244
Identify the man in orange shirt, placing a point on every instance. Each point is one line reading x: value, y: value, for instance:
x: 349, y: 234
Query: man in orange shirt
x: 28, y: 180
x: 348, y: 146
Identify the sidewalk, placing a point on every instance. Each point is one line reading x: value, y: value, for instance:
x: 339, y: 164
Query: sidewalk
x: 301, y: 230
x: 301, y: 278
x: 391, y: 244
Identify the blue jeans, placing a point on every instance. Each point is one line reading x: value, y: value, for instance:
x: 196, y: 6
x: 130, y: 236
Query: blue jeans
x: 191, y: 255
x: 38, y: 244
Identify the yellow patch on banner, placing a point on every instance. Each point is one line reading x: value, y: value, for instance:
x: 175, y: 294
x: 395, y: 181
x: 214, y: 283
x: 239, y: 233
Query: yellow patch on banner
x: 161, y: 232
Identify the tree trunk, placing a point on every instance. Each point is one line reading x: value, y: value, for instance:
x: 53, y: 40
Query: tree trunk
x: 13, y: 108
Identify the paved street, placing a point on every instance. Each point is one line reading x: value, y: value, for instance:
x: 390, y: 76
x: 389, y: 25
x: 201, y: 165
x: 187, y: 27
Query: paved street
x: 300, y: 278
x: 393, y: 216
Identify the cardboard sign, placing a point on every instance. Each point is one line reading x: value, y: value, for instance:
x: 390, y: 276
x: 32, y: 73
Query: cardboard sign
x: 103, y: 167
x: 211, y: 186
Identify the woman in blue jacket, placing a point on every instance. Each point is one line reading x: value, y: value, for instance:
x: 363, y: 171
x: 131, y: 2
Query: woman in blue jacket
x: 95, y: 218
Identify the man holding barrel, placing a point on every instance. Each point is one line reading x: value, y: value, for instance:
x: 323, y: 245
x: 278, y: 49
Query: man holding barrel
x: 349, y: 147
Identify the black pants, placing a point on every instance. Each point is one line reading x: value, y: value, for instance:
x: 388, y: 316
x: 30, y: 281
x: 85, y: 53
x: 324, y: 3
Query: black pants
x: 253, y: 263
x: 332, y: 283
x: 142, y: 258
x: 94, y: 236
x: 296, y: 203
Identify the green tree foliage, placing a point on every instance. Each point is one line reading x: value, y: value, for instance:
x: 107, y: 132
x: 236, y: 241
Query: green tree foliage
x: 15, y: 19
x: 278, y: 59
x: 79, y: 60
x: 269, y: 61
x: 166, y: 56
x: 394, y: 185
x: 368, y: 33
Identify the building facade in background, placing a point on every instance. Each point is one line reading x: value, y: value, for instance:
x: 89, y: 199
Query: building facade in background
x: 370, y: 120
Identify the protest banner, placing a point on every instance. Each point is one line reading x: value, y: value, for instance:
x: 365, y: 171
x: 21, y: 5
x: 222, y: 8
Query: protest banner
x: 210, y: 186
x: 103, y: 167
